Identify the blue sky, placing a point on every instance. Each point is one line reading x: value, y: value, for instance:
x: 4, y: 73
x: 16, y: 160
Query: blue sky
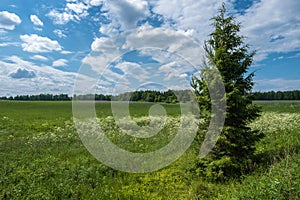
x: 116, y: 46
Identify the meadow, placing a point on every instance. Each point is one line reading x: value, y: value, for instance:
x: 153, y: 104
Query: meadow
x: 42, y: 157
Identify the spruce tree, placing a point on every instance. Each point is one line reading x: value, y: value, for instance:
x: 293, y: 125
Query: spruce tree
x: 234, y: 151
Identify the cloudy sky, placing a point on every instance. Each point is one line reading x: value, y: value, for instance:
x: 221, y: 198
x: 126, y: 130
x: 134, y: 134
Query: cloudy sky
x: 120, y: 45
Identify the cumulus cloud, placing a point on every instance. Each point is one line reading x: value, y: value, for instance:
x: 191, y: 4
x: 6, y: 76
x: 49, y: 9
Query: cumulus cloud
x: 78, y: 8
x: 269, y: 27
x: 103, y: 44
x: 105, y: 50
x: 22, y: 73
x: 178, y: 42
x: 162, y: 45
x: 61, y: 17
x: 184, y: 21
x: 9, y: 20
x: 60, y: 33
x: 133, y: 70
x: 73, y: 11
x: 111, y: 29
x: 38, y: 44
x: 174, y: 70
x: 39, y: 57
x: 36, y: 21
x: 272, y: 26
x: 279, y: 84
x: 60, y: 63
x: 47, y: 79
x: 188, y: 14
x: 95, y: 2
x: 127, y: 12
x: 18, y: 61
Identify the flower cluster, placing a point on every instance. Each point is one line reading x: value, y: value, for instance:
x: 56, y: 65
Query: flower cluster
x: 59, y: 133
x: 271, y: 122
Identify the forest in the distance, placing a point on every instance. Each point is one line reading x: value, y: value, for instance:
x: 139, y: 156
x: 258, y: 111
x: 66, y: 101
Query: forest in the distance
x: 168, y: 96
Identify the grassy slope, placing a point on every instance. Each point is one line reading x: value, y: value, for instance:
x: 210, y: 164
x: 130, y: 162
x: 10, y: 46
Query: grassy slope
x: 42, y: 157
x: 277, y: 174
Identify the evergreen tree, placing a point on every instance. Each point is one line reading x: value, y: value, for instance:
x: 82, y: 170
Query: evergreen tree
x: 225, y: 50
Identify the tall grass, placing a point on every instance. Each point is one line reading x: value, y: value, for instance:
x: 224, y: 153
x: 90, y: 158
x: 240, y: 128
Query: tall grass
x: 42, y: 157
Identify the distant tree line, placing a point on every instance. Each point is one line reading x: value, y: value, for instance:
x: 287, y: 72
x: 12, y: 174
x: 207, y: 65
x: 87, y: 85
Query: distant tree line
x: 271, y: 95
x: 58, y: 97
x: 39, y: 97
x: 168, y: 96
x: 97, y: 97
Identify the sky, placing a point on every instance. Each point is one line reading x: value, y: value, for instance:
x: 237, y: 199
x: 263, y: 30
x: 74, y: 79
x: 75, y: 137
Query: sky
x: 98, y: 46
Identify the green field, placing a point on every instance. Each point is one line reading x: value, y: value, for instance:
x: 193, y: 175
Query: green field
x: 42, y: 157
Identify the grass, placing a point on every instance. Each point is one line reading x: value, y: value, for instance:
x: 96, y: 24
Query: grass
x: 42, y: 157
x: 280, y: 106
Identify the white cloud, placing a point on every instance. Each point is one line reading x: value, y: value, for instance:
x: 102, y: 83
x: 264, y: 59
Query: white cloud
x: 157, y: 43
x: 127, y: 12
x: 73, y: 11
x: 278, y: 58
x: 46, y: 79
x: 174, y: 70
x: 36, y: 21
x: 105, y: 50
x: 37, y: 44
x: 78, y: 8
x: 66, y: 52
x: 37, y: 28
x: 188, y: 14
x: 103, y: 44
x: 3, y: 32
x: 22, y: 73
x: 189, y: 19
x: 133, y: 70
x: 60, y: 33
x: 39, y: 57
x: 297, y: 55
x: 111, y: 29
x: 5, y: 44
x: 9, y: 20
x: 272, y: 26
x: 13, y: 6
x: 266, y: 25
x: 60, y: 63
x: 164, y: 46
x: 174, y: 41
x: 19, y: 61
x: 95, y: 2
x: 61, y: 17
x: 279, y: 84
